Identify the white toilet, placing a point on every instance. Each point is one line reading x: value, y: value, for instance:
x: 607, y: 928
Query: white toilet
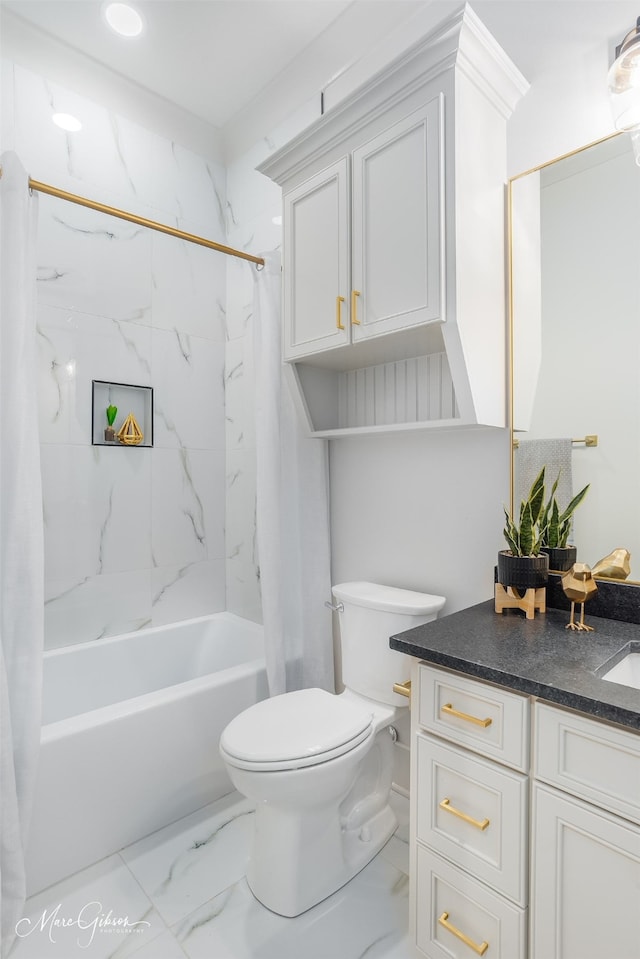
x: 318, y: 765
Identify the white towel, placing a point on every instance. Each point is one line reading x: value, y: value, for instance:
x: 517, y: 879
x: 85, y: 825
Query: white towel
x: 529, y: 458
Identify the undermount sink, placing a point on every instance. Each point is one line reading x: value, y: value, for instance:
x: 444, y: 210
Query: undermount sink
x: 624, y: 667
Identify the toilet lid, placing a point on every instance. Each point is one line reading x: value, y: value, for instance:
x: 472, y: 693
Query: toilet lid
x: 296, y: 729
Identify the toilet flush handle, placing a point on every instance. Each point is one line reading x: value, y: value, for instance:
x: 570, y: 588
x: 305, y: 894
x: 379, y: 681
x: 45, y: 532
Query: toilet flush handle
x: 403, y: 689
x: 336, y: 607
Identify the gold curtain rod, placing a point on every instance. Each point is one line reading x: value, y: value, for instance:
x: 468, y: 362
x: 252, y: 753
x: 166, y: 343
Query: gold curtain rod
x: 141, y: 220
x: 591, y: 439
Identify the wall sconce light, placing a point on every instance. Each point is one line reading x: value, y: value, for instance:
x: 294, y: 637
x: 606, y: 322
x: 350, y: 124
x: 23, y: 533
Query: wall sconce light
x: 624, y: 81
x: 624, y: 87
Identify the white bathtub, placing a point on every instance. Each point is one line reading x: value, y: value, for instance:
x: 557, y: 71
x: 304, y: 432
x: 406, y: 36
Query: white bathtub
x: 130, y: 736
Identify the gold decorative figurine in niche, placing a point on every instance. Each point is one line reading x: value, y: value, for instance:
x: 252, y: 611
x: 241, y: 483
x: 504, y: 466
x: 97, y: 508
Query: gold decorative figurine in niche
x: 130, y: 433
x: 579, y: 586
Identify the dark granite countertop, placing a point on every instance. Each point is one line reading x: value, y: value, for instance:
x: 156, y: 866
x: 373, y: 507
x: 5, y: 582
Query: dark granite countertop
x: 539, y: 657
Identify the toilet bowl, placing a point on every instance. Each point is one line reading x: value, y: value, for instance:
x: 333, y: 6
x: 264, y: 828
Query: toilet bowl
x: 318, y: 765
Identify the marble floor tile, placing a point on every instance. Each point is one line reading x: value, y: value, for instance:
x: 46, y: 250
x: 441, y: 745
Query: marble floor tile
x: 368, y: 916
x: 100, y: 913
x: 190, y: 877
x: 188, y: 863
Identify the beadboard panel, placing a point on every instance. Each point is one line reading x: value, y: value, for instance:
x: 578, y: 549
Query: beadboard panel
x: 412, y: 390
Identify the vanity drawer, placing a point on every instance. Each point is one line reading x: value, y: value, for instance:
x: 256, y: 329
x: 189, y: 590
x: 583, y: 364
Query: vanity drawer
x: 474, y: 813
x: 589, y: 759
x: 456, y: 916
x: 485, y: 718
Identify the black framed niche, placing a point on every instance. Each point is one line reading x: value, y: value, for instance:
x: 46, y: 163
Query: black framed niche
x: 132, y: 423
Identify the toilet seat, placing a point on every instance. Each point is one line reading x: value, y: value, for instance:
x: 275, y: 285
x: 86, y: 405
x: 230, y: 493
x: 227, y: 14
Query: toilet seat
x: 295, y: 730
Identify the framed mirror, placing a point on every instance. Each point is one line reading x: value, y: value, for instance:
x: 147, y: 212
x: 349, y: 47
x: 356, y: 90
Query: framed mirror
x: 574, y: 237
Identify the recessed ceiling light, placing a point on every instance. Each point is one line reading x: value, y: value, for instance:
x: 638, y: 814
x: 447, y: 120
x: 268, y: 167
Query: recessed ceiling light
x: 67, y: 122
x: 123, y: 19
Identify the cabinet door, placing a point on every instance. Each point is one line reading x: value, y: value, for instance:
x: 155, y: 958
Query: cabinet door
x: 459, y: 918
x: 586, y: 881
x: 316, y: 263
x: 398, y: 233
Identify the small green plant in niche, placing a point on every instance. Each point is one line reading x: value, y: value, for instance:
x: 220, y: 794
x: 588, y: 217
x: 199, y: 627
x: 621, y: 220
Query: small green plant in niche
x: 110, y: 433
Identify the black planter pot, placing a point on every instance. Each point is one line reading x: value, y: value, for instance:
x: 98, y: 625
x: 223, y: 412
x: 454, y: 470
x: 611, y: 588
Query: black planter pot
x: 561, y: 558
x: 523, y: 572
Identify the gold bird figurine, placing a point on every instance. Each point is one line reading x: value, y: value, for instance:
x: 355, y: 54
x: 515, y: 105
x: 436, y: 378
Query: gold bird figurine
x: 579, y: 586
x: 616, y: 565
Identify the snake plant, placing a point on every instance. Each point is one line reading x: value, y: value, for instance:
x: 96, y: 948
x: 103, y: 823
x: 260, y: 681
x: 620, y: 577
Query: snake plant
x: 112, y: 412
x: 524, y: 538
x: 555, y: 525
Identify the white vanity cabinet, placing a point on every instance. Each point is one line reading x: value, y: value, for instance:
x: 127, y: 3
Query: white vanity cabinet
x: 585, y: 839
x: 393, y: 242
x: 469, y: 817
x: 483, y: 863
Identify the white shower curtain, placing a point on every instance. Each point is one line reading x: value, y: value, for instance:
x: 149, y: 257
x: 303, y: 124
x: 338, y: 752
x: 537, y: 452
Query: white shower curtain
x: 292, y: 513
x: 21, y: 538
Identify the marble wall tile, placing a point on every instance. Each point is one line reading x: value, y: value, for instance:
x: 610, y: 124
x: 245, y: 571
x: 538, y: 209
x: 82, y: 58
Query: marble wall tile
x: 240, y: 285
x: 118, y: 302
x: 189, y: 187
x: 188, y: 292
x: 189, y: 396
x: 257, y: 236
x: 93, y: 263
x: 97, y: 510
x: 239, y: 378
x: 74, y: 349
x: 183, y: 592
x: 187, y: 506
x: 249, y: 193
x: 90, y: 607
x: 96, y: 157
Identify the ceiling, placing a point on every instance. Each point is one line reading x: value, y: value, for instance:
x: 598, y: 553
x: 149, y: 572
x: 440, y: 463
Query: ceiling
x: 215, y: 57
x: 210, y: 57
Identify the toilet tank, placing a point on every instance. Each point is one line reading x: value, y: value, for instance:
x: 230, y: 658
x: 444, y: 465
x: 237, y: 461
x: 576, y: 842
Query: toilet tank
x: 371, y: 614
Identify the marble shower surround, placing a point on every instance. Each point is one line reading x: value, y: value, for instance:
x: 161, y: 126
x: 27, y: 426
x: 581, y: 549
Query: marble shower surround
x: 133, y: 537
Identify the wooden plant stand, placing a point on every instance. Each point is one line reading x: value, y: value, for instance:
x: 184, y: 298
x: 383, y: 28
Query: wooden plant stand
x: 530, y: 601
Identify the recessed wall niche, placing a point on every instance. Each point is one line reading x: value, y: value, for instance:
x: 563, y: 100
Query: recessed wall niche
x: 134, y: 414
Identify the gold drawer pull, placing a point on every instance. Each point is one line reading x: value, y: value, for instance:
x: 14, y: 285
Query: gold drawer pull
x: 450, y: 711
x: 403, y: 689
x: 354, y: 308
x: 479, y: 949
x: 339, y: 302
x: 446, y: 805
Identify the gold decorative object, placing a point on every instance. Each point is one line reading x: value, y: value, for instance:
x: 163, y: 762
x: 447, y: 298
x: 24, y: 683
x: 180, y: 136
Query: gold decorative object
x: 130, y: 433
x: 617, y: 565
x: 530, y: 601
x: 579, y: 586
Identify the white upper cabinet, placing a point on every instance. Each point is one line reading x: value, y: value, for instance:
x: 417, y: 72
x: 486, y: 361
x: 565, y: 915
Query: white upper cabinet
x: 397, y: 238
x: 394, y: 310
x: 316, y: 263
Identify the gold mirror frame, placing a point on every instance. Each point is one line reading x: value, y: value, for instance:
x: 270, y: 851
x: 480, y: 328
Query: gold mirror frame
x: 510, y: 308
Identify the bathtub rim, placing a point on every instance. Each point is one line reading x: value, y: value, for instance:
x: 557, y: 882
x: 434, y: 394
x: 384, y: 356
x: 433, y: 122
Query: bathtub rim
x: 146, y: 630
